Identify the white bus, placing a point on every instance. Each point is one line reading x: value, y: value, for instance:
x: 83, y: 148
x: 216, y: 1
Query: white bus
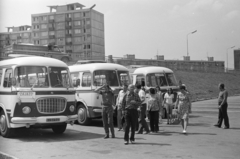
x: 86, y: 78
x: 152, y: 76
x: 35, y: 92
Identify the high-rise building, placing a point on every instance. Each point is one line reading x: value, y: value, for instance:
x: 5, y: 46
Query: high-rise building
x: 237, y: 59
x: 74, y: 29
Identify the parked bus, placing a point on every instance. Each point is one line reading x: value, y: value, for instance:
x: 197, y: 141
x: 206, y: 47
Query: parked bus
x: 35, y: 92
x: 88, y: 77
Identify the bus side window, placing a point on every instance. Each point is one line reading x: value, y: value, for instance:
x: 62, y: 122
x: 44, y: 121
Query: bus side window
x: 8, y: 78
x: 86, y: 79
x: 75, y: 79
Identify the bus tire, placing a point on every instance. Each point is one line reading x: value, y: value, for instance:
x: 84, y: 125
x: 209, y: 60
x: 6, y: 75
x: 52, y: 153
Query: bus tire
x: 5, y: 131
x: 82, y: 115
x: 59, y: 129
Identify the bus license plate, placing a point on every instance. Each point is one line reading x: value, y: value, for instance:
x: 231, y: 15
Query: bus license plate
x: 53, y: 119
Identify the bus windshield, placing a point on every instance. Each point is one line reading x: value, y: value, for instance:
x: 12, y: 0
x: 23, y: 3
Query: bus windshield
x: 37, y: 76
x: 102, y: 77
x: 28, y: 76
x: 161, y: 79
x: 59, y: 77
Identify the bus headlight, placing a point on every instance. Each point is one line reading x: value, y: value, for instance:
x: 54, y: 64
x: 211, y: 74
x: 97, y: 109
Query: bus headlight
x: 71, y: 108
x: 26, y: 110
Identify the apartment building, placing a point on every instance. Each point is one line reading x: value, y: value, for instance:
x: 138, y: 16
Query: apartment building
x: 19, y: 34
x: 74, y: 29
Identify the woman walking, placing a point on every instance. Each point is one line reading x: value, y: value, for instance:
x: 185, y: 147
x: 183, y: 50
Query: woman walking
x: 168, y: 104
x: 183, y: 104
x: 154, y: 106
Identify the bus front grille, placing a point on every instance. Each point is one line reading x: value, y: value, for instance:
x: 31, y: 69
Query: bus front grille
x: 51, y: 105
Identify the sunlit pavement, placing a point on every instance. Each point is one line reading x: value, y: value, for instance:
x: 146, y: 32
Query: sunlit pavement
x: 202, y: 140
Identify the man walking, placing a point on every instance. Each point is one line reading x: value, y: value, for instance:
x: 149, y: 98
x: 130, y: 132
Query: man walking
x: 222, y: 107
x: 107, y: 110
x: 130, y: 103
x: 143, y: 107
x: 119, y: 100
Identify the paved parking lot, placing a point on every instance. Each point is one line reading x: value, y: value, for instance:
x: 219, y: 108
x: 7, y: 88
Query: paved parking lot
x: 203, y: 140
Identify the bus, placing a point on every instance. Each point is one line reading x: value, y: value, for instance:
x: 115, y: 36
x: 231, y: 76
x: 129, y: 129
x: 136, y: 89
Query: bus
x: 35, y: 92
x: 88, y: 77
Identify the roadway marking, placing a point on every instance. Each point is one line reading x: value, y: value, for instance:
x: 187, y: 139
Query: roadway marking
x: 6, y: 156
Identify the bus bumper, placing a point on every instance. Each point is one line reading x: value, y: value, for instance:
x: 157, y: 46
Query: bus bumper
x: 21, y: 121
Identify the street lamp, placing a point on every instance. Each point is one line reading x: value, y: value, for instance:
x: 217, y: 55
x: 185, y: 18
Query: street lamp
x: 227, y: 56
x: 187, y: 39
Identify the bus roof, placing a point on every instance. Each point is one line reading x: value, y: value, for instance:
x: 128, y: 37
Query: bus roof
x: 33, y: 61
x: 152, y: 69
x: 97, y: 66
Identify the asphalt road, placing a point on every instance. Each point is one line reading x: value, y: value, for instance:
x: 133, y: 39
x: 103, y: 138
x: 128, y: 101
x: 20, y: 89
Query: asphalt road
x: 203, y: 140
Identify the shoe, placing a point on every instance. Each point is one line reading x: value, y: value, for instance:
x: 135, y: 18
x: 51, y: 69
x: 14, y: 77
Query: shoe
x: 216, y: 125
x: 126, y: 142
x: 133, y: 142
x: 225, y: 127
x: 147, y: 132
x: 113, y: 136
x: 184, y: 131
x: 107, y: 136
x: 139, y: 133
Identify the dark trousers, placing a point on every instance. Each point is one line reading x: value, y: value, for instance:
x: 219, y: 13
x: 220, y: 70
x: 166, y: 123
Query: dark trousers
x: 154, y: 120
x: 222, y: 115
x: 131, y: 120
x: 107, y: 117
x: 142, y: 122
x: 119, y: 119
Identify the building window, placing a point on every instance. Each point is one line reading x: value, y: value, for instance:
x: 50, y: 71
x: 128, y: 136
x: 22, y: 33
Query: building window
x: 25, y: 34
x: 68, y: 47
x: 36, y: 42
x: 77, y: 23
x: 60, y: 17
x: 68, y: 31
x: 52, y: 41
x: 35, y: 27
x: 86, y: 47
x: 60, y: 25
x: 88, y: 22
x: 51, y: 33
x: 60, y: 41
x: 44, y: 26
x: 35, y: 19
x: 51, y: 17
x: 85, y: 14
x: 35, y: 35
x: 77, y: 40
x: 69, y: 40
x: 77, y: 15
x: 44, y: 42
x: 69, y: 15
x: 60, y: 33
x: 77, y: 31
x: 44, y: 34
x: 77, y: 48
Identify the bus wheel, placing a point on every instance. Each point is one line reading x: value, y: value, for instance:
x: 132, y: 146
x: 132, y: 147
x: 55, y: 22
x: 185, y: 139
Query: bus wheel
x: 59, y: 129
x: 4, y: 130
x: 82, y: 115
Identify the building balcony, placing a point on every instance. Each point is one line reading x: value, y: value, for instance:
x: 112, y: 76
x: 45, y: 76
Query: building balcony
x: 68, y: 35
x: 51, y: 29
x: 51, y: 20
x: 68, y: 43
x: 68, y: 27
x: 51, y: 36
x: 69, y: 51
x: 68, y: 19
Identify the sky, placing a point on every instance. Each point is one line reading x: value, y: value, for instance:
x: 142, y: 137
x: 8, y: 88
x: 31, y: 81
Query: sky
x: 150, y: 27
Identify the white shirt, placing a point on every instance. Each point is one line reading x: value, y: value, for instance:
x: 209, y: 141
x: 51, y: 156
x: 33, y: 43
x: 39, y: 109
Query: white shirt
x: 169, y: 98
x: 142, y: 96
x: 120, y: 98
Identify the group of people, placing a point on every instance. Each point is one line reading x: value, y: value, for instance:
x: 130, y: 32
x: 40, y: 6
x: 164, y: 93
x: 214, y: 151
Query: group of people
x: 133, y: 106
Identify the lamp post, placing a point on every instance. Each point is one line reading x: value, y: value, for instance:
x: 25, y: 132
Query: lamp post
x: 227, y: 56
x: 187, y: 39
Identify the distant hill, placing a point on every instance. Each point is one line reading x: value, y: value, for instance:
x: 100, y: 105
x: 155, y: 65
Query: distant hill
x: 204, y: 85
